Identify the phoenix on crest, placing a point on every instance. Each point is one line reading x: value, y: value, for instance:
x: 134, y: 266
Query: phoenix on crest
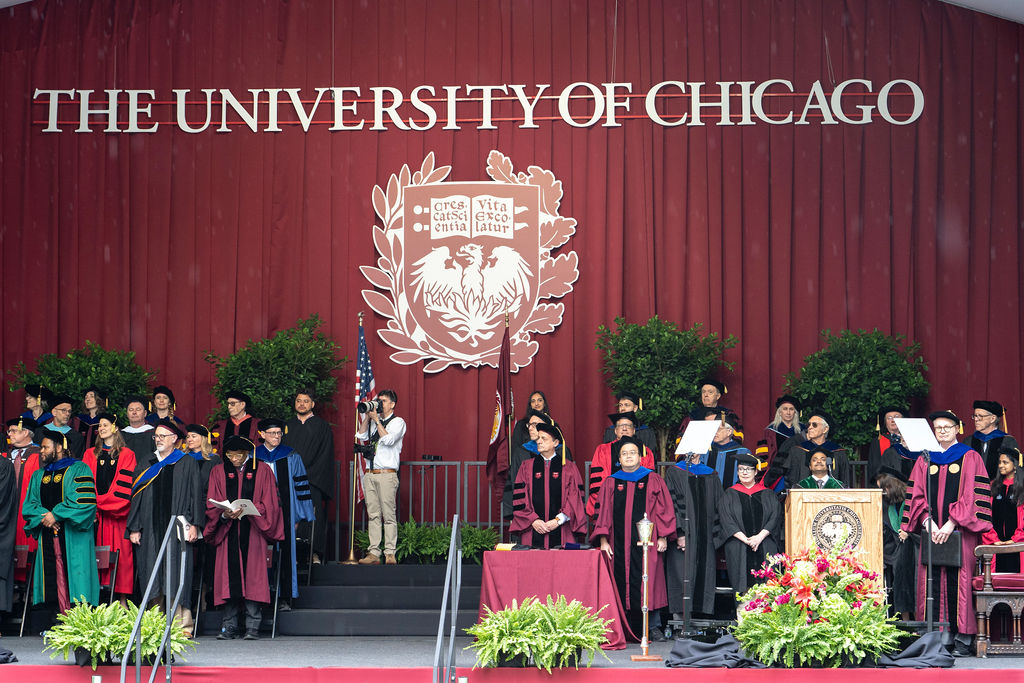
x: 470, y: 292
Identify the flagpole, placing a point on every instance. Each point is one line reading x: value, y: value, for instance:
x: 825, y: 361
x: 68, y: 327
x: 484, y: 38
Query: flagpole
x: 508, y: 418
x: 352, y: 489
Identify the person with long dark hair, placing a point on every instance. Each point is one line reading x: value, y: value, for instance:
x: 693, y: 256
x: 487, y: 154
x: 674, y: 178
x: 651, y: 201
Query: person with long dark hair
x: 899, y: 549
x: 520, y: 431
x: 1007, y: 508
x: 112, y: 465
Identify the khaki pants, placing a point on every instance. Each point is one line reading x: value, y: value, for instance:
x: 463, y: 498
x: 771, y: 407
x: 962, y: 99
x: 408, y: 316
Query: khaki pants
x: 381, y: 491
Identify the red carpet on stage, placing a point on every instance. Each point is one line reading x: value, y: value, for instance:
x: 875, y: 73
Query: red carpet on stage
x: 65, y: 673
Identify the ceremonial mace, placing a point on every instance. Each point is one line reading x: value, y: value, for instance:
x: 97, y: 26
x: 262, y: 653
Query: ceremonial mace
x: 645, y: 529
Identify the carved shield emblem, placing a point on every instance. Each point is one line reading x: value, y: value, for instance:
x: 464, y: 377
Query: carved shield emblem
x: 455, y: 257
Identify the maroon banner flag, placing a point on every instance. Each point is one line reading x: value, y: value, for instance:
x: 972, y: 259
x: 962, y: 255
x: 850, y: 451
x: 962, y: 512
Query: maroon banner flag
x: 504, y: 410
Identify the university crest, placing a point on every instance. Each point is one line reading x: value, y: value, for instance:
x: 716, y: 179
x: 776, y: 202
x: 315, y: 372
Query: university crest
x: 454, y: 257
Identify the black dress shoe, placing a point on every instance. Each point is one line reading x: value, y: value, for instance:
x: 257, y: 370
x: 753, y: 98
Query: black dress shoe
x: 961, y: 651
x: 251, y: 635
x: 657, y: 635
x: 227, y: 635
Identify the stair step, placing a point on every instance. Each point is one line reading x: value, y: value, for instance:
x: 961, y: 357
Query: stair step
x: 334, y: 622
x: 390, y: 575
x: 381, y: 597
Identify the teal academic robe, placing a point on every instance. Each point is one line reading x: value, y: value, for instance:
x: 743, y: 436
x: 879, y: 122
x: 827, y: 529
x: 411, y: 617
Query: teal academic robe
x: 76, y: 513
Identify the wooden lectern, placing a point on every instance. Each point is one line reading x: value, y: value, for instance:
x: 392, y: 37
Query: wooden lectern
x: 822, y: 515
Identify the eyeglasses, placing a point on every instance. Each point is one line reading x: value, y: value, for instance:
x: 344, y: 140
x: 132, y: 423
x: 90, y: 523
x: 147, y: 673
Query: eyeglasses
x: 534, y: 424
x: 746, y: 469
x: 234, y: 403
x: 815, y: 424
x: 164, y: 436
x: 976, y: 416
x: 944, y: 428
x: 61, y: 410
x: 273, y: 432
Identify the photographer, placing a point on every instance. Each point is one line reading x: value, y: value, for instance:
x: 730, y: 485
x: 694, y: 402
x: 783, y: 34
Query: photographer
x: 384, y: 430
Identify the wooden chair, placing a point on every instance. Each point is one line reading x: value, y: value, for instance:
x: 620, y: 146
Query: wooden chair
x: 105, y: 559
x: 992, y: 589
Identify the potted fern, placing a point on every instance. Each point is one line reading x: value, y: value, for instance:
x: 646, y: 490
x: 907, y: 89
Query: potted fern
x: 99, y: 635
x: 550, y: 634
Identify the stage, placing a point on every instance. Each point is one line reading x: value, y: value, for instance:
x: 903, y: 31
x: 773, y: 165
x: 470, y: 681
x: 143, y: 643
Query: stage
x: 320, y: 660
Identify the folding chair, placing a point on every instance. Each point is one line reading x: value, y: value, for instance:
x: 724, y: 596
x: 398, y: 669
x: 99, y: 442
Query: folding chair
x: 105, y: 559
x: 274, y: 566
x: 23, y: 559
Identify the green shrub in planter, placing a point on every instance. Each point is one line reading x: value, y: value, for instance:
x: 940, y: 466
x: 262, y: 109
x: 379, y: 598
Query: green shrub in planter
x: 476, y: 540
x: 428, y: 543
x: 554, y: 633
x: 103, y: 632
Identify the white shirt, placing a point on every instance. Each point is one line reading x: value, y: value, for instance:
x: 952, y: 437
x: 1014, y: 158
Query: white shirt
x: 389, y: 448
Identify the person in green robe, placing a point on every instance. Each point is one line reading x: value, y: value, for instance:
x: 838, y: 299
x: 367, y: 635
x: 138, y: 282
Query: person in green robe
x: 821, y: 472
x: 60, y: 505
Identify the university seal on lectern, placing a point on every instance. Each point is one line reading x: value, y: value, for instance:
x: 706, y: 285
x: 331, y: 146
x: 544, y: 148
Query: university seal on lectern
x: 833, y: 523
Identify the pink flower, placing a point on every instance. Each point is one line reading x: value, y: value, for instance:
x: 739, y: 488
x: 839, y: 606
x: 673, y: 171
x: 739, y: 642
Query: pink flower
x: 782, y: 599
x: 857, y: 604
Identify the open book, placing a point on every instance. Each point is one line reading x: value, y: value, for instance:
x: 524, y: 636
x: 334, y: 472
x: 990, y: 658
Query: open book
x: 243, y: 504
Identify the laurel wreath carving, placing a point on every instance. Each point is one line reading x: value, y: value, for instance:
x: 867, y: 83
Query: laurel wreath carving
x: 557, y: 274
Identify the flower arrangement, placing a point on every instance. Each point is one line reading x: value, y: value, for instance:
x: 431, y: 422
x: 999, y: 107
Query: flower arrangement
x: 816, y: 609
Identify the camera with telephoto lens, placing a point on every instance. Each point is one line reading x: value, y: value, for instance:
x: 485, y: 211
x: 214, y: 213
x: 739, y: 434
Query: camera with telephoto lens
x: 363, y: 449
x: 372, y: 404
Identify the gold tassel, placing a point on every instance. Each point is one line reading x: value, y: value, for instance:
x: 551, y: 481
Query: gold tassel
x: 878, y: 426
x: 1004, y: 419
x: 150, y: 406
x: 725, y: 389
x: 1020, y: 458
x: 642, y: 407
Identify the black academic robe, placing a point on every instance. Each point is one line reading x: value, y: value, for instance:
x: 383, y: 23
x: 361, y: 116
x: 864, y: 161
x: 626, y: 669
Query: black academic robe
x: 695, y: 498
x: 76, y: 442
x: 314, y: 442
x: 988, y: 448
x: 9, y: 506
x: 879, y: 445
x: 750, y: 511
x: 800, y: 463
x: 204, y: 554
x: 900, y: 559
x: 899, y: 459
x: 140, y: 443
x: 176, y: 490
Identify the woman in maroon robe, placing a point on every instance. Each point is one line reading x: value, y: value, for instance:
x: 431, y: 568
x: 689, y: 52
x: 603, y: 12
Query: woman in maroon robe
x: 949, y: 491
x: 624, y: 498
x: 241, y: 540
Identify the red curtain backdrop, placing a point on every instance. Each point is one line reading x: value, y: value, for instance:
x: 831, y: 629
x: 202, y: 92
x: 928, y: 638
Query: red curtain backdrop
x: 174, y: 244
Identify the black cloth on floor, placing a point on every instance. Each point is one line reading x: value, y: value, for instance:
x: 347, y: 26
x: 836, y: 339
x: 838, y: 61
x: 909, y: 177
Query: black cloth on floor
x: 724, y: 652
x: 925, y: 652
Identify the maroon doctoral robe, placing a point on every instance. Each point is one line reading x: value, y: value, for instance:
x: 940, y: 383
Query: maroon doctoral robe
x: 241, y: 567
x: 622, y: 504
x: 543, y: 489
x: 956, y: 485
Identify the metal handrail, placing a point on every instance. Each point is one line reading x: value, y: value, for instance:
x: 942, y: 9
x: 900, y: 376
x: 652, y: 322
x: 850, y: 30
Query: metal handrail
x: 445, y: 672
x: 135, y: 637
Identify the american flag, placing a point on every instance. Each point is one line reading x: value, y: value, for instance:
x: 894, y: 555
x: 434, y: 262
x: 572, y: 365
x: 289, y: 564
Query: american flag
x: 365, y: 389
x: 364, y: 372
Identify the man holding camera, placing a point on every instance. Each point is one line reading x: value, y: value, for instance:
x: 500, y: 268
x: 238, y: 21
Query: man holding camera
x: 384, y: 430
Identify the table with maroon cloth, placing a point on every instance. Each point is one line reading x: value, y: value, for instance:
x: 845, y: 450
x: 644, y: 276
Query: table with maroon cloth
x: 584, y: 575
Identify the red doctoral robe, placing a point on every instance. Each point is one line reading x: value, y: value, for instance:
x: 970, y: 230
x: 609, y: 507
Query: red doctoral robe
x: 241, y: 567
x: 112, y: 516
